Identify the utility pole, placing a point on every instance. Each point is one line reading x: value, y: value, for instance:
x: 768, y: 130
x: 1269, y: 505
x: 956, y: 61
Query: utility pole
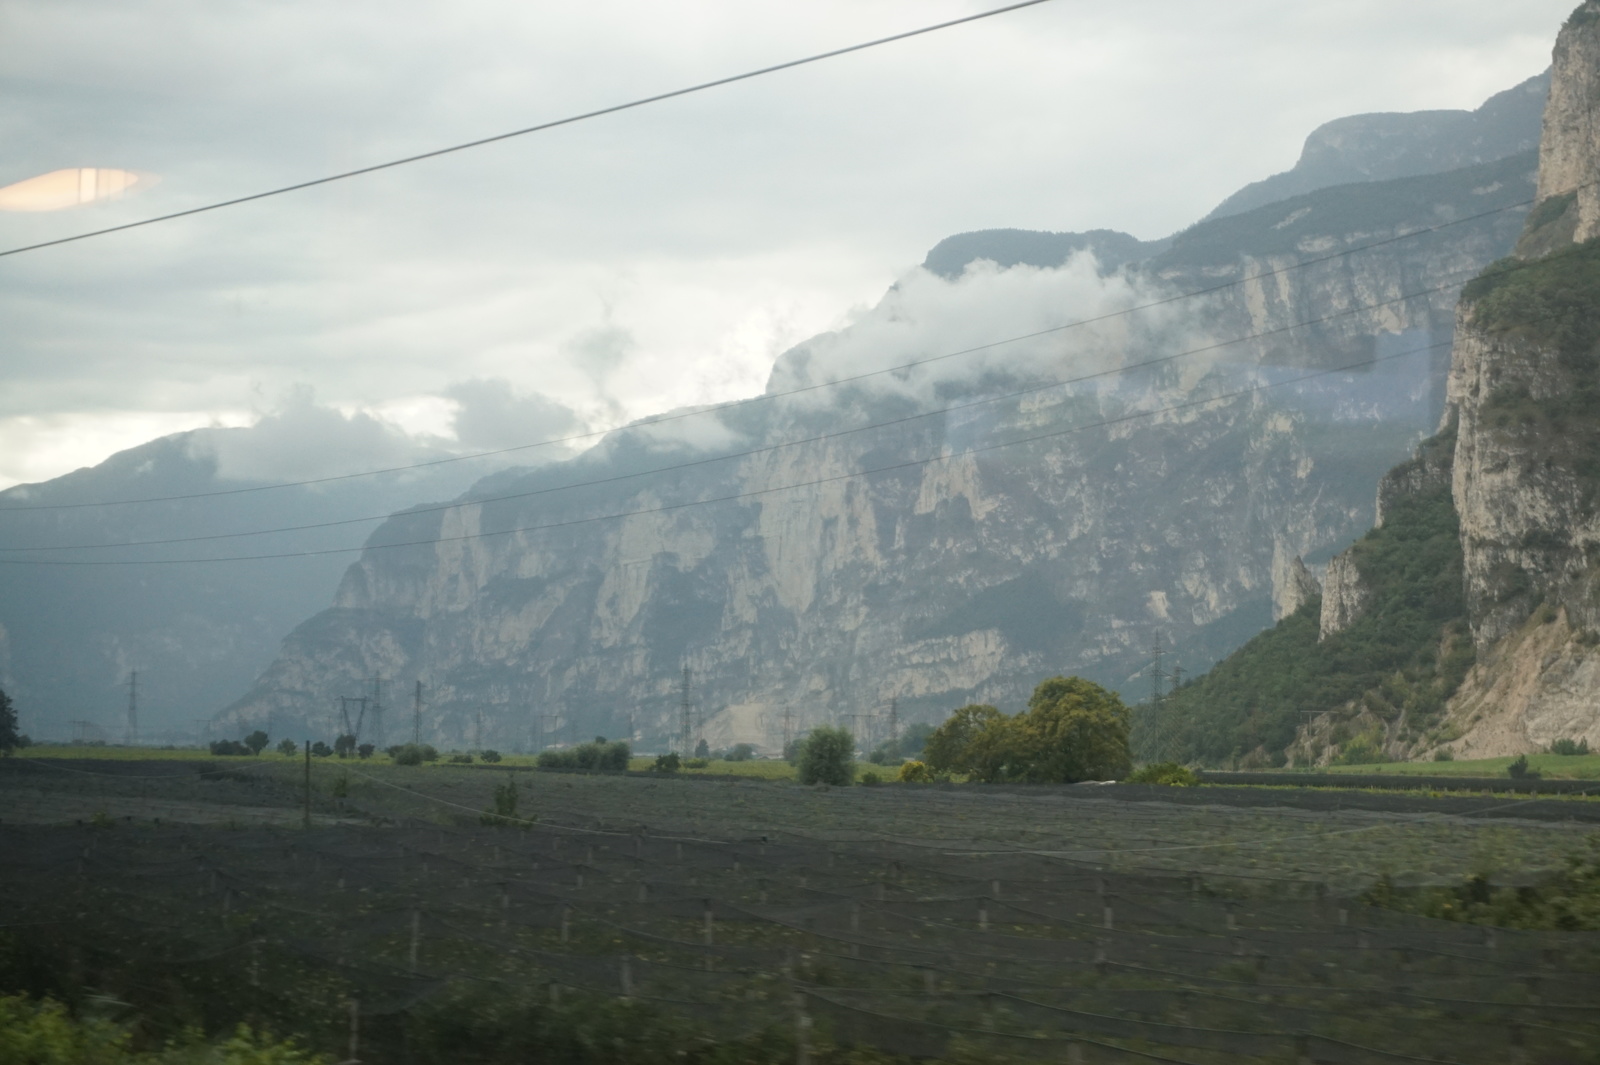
x: 308, y: 785
x: 132, y: 738
x: 688, y: 718
x: 416, y: 717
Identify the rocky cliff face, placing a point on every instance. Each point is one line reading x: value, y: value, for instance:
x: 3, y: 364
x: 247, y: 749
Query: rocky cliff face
x: 970, y: 545
x: 1525, y: 387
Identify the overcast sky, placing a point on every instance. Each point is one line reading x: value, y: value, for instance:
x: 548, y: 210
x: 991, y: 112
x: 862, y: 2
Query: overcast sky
x: 637, y: 262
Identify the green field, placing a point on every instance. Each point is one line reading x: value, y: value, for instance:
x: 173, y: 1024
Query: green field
x: 1550, y: 766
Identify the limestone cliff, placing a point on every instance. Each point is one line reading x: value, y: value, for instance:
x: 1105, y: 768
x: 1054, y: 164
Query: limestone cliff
x: 796, y: 560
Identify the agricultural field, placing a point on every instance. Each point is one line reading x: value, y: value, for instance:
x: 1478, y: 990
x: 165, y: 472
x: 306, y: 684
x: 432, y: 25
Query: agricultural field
x: 958, y: 923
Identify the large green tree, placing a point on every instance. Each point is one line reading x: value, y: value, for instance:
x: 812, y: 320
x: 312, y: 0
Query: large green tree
x: 1075, y: 730
x: 1072, y: 730
x: 827, y: 757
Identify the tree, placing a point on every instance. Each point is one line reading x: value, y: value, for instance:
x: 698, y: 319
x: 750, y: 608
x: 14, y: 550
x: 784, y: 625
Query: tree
x: 256, y: 741
x: 366, y: 749
x: 10, y: 738
x: 827, y: 757
x: 345, y: 745
x: 950, y: 747
x: 1074, y: 730
x: 320, y: 749
x: 702, y: 749
x: 288, y: 748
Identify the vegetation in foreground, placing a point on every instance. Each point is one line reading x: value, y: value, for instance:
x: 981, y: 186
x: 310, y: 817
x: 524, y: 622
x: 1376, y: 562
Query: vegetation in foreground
x: 1568, y: 901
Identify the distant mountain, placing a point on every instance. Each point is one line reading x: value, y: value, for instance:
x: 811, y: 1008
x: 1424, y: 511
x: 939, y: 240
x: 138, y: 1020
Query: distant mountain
x: 70, y: 635
x: 1382, y: 146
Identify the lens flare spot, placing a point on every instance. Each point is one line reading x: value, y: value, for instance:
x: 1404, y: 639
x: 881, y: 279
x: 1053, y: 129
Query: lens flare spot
x: 60, y: 189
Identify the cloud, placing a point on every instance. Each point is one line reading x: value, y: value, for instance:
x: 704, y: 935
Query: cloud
x: 490, y: 414
x: 926, y: 318
x: 302, y: 439
x: 645, y: 261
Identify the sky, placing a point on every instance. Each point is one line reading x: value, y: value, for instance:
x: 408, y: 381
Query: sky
x: 628, y: 265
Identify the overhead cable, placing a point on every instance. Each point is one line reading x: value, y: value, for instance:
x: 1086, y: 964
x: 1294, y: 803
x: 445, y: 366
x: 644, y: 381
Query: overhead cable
x: 526, y: 130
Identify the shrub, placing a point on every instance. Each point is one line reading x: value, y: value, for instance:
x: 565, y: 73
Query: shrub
x: 697, y: 763
x: 344, y: 746
x: 871, y: 779
x: 413, y: 754
x: 461, y: 759
x: 915, y: 773
x: 1170, y: 774
x: 229, y: 748
x: 321, y: 750
x: 365, y: 750
x: 1569, y: 748
x: 1444, y: 754
x: 598, y: 756
x: 504, y: 814
x: 827, y: 757
x: 288, y: 748
x: 491, y: 756
x: 341, y: 787
x: 1519, y: 770
x: 667, y: 763
x: 741, y: 752
x: 256, y: 741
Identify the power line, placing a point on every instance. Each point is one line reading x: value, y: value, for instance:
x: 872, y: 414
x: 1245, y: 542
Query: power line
x: 754, y: 493
x: 995, y: 398
x: 837, y: 382
x: 539, y: 128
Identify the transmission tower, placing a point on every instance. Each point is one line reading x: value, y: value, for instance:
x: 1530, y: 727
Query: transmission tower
x: 788, y: 728
x: 1157, y: 674
x: 894, y: 718
x: 132, y: 738
x: 376, y: 711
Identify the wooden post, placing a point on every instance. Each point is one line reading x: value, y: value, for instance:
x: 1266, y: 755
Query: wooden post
x: 710, y: 923
x: 627, y: 976
x: 983, y: 918
x: 855, y: 917
x: 1106, y: 918
x: 566, y: 931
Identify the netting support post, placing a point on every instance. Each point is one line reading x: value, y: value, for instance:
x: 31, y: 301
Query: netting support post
x: 566, y: 923
x: 983, y: 918
x: 1302, y: 1050
x: 1074, y: 1054
x: 627, y: 976
x: 710, y: 923
x: 1107, y: 918
x: 1519, y: 1051
x: 802, y: 1032
x: 355, y: 1030
x: 416, y: 938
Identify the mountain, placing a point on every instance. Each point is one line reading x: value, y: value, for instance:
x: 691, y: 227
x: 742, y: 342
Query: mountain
x: 1383, y: 146
x: 950, y: 532
x: 71, y: 634
x: 1468, y: 620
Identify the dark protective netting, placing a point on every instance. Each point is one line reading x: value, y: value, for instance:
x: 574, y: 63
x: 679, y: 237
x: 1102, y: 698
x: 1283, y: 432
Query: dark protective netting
x: 915, y: 949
